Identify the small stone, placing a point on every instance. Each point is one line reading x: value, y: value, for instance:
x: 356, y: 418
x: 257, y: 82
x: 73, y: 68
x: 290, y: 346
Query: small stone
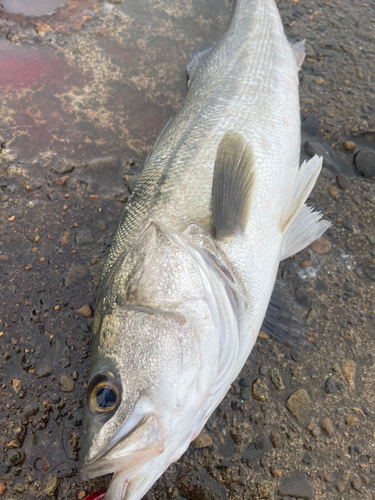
x: 64, y: 240
x: 244, y: 382
x: 54, y: 398
x: 277, y: 380
x: 260, y: 390
x: 365, y: 479
x: 330, y: 385
x: 276, y: 473
x: 263, y: 335
x: 203, y: 440
x: 245, y: 394
x: 297, y: 487
x: 201, y: 486
x: 319, y: 80
x: 51, y: 485
x: 101, y: 225
x: 76, y: 274
x: 324, y: 477
x: 351, y: 420
x: 257, y: 448
x: 93, y: 187
x: 349, y: 370
x: 305, y: 263
x: 275, y: 440
x: 294, y: 354
x: 67, y: 385
x: 28, y: 267
x: 334, y: 194
x: 364, y: 163
x: 31, y: 409
x: 321, y: 246
x: 64, y: 167
x: 43, y: 371
x: 347, y: 225
x: 356, y: 484
x: 84, y: 237
x: 65, y: 359
x: 343, y: 181
x: 16, y: 384
x: 327, y: 427
x: 299, y: 405
x: 86, y: 311
x: 307, y: 459
x: 311, y: 316
x: 104, y: 169
x: 62, y: 180
x: 3, y: 488
x: 348, y: 146
x: 301, y: 297
x: 13, y: 457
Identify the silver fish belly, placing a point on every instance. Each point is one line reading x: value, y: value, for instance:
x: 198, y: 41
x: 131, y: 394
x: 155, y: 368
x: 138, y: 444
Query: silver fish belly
x: 185, y: 287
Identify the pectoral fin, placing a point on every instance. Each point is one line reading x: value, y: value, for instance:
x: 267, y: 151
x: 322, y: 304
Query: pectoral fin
x: 233, y: 183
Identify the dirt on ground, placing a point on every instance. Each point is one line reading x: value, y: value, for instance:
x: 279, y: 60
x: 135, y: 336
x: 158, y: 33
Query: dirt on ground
x: 85, y: 91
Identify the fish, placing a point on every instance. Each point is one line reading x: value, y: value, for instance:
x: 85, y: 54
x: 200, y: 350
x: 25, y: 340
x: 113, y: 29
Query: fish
x: 188, y: 278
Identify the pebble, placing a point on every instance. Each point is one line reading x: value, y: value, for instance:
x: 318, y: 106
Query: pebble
x: 244, y: 382
x: 321, y: 246
x: 62, y: 180
x: 260, y: 390
x: 31, y: 409
x: 307, y: 458
x: 3, y: 488
x: 103, y: 169
x: 13, y: 457
x: 86, y: 311
x: 263, y: 335
x: 275, y: 439
x: 43, y: 371
x: 330, y: 385
x: 93, y: 187
x: 245, y: 394
x: 20, y: 487
x: 327, y: 427
x: 356, y: 484
x: 348, y: 145
x: 297, y: 487
x: 16, y: 384
x: 67, y: 385
x: 64, y: 167
x: 349, y: 370
x: 257, y: 448
x: 84, y: 237
x: 77, y: 418
x: 203, y: 440
x: 298, y: 404
x: 310, y: 125
x: 364, y: 163
x: 51, y: 485
x: 301, y: 297
x: 347, y: 225
x: 343, y: 181
x: 75, y: 275
x: 277, y: 380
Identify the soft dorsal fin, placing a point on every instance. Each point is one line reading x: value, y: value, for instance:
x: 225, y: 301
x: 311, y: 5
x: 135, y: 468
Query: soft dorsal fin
x: 233, y: 183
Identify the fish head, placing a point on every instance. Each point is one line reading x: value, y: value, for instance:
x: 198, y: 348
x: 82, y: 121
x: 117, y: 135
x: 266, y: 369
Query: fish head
x: 155, y: 356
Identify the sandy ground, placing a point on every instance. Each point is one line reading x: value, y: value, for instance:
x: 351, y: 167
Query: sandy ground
x: 85, y: 93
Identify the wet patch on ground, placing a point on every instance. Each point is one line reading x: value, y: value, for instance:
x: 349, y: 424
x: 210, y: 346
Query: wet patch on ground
x: 75, y: 129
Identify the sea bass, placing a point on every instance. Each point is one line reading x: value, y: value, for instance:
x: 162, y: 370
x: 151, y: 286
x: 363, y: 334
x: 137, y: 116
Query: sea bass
x: 186, y: 284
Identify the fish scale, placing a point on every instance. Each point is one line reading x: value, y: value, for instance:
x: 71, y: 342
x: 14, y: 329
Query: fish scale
x: 187, y: 281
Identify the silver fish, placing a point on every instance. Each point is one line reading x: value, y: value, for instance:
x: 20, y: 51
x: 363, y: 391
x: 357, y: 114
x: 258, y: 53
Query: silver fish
x: 185, y: 287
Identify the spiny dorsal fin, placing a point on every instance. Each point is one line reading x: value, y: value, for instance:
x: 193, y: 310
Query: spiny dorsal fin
x: 232, y: 186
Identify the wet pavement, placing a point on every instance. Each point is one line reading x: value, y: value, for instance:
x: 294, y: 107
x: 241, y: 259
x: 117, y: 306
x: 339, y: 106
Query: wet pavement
x: 85, y: 92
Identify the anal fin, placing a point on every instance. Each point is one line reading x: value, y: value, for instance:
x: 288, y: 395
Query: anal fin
x: 233, y: 183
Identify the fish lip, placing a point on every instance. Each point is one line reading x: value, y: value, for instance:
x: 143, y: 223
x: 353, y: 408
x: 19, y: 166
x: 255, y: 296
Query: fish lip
x: 100, y: 465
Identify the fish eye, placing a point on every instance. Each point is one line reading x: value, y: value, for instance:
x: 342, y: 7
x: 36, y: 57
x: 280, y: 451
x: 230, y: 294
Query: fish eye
x: 103, y: 393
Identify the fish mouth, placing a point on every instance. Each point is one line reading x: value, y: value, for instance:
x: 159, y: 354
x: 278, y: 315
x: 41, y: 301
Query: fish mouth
x: 128, y: 453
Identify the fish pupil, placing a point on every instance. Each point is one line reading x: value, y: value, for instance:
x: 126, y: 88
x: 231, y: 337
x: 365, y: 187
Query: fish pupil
x: 106, y: 397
